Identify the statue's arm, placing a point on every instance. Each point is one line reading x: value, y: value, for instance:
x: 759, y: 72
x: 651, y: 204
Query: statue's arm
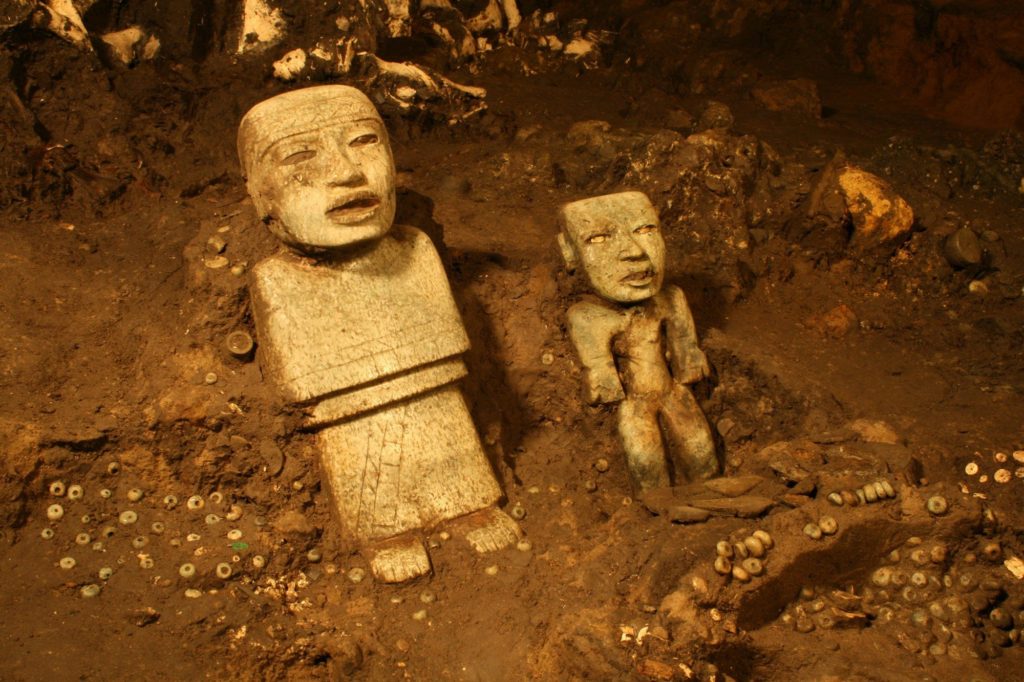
x: 591, y: 331
x: 687, y: 360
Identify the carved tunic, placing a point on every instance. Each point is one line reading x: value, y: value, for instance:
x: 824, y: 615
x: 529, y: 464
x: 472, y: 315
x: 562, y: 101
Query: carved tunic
x: 372, y: 344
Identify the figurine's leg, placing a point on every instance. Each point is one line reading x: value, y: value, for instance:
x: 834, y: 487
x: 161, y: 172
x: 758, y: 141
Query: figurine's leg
x: 641, y: 438
x: 398, y: 559
x: 488, y: 530
x: 688, y: 427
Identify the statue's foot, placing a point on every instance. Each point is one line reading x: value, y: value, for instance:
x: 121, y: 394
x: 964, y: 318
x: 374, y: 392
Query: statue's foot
x: 488, y: 530
x: 396, y: 560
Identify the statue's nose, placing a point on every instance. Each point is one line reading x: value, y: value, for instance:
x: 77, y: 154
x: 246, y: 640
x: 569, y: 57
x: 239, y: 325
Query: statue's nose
x: 343, y: 171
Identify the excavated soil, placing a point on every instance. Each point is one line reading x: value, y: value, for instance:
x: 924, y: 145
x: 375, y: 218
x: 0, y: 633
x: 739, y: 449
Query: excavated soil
x: 114, y: 376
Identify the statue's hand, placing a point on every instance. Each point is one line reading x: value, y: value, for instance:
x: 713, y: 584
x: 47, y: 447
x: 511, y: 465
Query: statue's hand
x: 604, y: 390
x: 695, y: 368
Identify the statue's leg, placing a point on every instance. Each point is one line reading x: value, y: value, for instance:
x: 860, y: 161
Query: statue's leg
x: 642, y: 441
x: 688, y: 427
x: 409, y: 467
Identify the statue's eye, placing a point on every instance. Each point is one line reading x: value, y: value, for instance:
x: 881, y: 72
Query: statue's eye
x: 597, y: 238
x: 646, y: 229
x: 363, y: 140
x: 298, y: 157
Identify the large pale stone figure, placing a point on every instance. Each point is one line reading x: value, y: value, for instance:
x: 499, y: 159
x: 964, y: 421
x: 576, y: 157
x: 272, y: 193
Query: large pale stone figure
x: 357, y: 325
x: 635, y: 338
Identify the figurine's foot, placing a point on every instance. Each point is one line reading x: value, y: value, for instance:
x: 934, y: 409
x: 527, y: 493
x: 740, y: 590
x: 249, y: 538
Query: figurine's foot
x: 399, y: 559
x: 488, y: 530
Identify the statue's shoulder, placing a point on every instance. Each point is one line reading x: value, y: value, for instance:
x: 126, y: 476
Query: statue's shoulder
x: 593, y: 311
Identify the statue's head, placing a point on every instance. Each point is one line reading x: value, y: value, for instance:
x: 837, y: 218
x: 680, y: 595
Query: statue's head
x: 318, y: 167
x: 616, y: 239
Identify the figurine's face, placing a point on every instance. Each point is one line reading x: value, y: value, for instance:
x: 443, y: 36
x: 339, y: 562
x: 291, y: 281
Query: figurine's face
x: 617, y: 241
x: 321, y: 172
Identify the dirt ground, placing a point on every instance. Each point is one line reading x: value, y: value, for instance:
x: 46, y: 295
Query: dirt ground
x: 833, y: 367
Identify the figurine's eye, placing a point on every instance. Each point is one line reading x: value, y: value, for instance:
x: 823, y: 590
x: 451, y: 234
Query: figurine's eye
x: 646, y: 229
x: 363, y: 140
x: 298, y: 157
x: 597, y: 238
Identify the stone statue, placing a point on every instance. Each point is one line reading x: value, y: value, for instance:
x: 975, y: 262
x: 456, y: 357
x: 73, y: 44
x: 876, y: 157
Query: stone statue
x: 357, y: 325
x: 636, y: 339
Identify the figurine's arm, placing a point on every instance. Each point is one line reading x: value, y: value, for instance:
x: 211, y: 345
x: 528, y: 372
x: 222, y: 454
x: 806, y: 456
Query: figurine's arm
x: 687, y: 360
x: 591, y: 332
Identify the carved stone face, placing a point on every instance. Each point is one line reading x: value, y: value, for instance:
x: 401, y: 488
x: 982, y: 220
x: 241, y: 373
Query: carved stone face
x: 319, y: 167
x: 616, y: 239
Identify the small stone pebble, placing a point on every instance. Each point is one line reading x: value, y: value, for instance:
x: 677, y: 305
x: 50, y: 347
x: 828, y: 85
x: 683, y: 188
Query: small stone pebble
x: 937, y: 505
x: 739, y: 573
x: 753, y: 566
x: 754, y: 546
x: 356, y: 575
x: 764, y: 537
x: 55, y: 512
x: 90, y: 590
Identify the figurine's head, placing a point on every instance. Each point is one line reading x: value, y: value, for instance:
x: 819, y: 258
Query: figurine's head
x: 616, y: 238
x: 318, y: 167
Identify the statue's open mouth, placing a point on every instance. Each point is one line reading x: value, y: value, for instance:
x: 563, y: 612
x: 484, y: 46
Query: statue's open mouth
x: 354, y: 207
x: 640, y: 278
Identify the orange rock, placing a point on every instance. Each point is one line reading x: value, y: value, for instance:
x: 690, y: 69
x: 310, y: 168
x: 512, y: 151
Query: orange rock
x: 880, y: 216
